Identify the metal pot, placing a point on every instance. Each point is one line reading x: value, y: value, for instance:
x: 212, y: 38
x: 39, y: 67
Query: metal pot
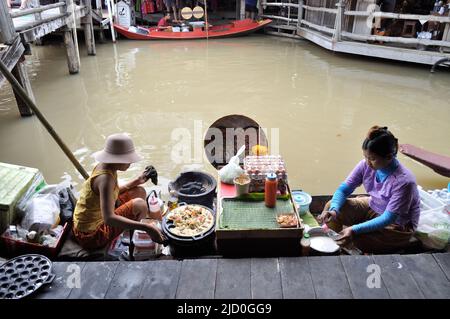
x: 206, y: 183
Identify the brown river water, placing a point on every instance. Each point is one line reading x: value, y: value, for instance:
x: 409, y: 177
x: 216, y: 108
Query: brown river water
x: 316, y: 106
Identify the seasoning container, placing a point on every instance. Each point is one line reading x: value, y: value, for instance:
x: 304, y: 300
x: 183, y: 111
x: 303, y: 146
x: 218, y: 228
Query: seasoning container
x: 154, y: 207
x: 270, y: 190
x: 173, y: 200
x: 306, y: 244
x: 242, y: 184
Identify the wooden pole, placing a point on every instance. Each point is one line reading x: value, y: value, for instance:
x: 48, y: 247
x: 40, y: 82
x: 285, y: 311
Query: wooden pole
x: 338, y: 22
x: 74, y: 31
x: 289, y: 12
x: 72, y: 59
x: 23, y: 95
x: 7, y: 31
x: 242, y: 15
x: 20, y: 73
x: 89, y: 30
x: 206, y: 19
x: 111, y: 22
x: 299, y: 14
x: 238, y: 10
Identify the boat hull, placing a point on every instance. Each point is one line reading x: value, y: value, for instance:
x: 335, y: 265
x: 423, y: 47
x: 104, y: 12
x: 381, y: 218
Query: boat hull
x: 234, y: 29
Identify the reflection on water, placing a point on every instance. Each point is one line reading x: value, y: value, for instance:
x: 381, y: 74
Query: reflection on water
x: 323, y: 104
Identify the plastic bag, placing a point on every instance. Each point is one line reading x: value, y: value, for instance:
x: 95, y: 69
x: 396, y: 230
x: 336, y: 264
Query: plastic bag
x: 232, y: 170
x: 42, y: 212
x: 434, y: 228
x: 37, y: 184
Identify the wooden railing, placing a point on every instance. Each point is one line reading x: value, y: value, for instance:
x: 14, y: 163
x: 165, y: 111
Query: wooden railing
x: 337, y: 33
x: 40, y: 9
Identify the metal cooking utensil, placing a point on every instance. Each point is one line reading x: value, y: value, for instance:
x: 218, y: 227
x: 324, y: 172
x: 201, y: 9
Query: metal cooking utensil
x: 23, y: 275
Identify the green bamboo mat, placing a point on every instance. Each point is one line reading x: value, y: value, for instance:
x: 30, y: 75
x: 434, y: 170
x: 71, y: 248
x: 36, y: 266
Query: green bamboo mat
x: 238, y: 214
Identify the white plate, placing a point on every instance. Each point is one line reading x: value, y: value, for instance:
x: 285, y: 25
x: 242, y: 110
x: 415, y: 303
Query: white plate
x: 324, y: 244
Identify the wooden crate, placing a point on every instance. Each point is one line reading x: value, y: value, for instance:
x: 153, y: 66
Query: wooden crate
x: 15, y: 181
x: 257, y: 242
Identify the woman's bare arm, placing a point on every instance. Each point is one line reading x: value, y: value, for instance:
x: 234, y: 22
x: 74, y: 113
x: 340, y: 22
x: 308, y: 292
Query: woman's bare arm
x: 105, y: 186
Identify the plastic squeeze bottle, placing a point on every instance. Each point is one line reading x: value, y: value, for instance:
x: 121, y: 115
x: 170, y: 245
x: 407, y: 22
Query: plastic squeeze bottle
x: 155, y: 208
x: 270, y: 190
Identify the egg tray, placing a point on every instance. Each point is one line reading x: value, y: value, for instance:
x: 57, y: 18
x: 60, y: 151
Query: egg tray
x: 23, y: 275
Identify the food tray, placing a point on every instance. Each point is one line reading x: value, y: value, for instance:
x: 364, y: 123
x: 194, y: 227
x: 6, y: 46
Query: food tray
x: 23, y: 275
x: 240, y: 215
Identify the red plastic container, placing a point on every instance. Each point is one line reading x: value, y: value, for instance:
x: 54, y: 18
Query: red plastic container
x: 12, y: 247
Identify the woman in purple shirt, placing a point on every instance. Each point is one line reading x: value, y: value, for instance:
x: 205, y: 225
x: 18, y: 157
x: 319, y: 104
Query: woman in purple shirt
x: 385, y: 220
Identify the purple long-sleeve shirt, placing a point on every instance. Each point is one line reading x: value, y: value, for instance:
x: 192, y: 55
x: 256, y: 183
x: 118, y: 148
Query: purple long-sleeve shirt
x: 397, y: 194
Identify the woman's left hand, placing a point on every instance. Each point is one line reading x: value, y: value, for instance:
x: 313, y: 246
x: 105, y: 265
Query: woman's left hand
x: 141, y: 179
x: 345, y: 234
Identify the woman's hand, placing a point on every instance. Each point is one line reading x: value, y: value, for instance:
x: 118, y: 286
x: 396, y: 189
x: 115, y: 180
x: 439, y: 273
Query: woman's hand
x: 326, y: 216
x: 345, y: 235
x: 141, y: 179
x: 155, y: 234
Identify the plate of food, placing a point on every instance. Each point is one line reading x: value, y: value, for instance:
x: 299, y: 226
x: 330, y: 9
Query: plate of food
x: 287, y: 220
x: 189, y: 220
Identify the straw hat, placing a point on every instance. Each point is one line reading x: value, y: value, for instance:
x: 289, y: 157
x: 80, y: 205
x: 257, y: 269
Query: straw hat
x: 119, y: 149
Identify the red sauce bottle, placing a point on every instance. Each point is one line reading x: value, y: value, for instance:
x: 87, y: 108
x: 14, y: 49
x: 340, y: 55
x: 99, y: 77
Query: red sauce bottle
x: 270, y: 190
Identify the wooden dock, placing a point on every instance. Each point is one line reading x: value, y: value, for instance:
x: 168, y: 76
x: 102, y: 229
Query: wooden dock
x: 336, y: 26
x: 424, y: 276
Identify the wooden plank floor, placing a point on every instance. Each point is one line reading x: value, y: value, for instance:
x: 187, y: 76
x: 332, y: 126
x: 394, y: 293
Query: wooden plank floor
x: 361, y: 277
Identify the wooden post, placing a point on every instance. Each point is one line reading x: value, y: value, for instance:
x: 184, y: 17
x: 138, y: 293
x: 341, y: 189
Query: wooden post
x: 7, y: 31
x: 21, y: 75
x: 299, y: 14
x: 289, y: 13
x: 242, y: 15
x: 71, y: 53
x: 72, y: 58
x: 101, y: 35
x: 38, y: 17
x: 111, y: 20
x: 338, y: 23
x: 89, y: 30
x: 260, y: 8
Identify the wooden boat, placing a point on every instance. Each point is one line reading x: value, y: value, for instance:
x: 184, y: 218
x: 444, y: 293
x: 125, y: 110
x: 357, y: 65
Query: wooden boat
x: 438, y: 163
x: 233, y: 29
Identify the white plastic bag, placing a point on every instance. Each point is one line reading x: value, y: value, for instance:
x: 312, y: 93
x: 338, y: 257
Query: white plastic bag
x: 434, y: 228
x: 232, y: 170
x: 43, y: 209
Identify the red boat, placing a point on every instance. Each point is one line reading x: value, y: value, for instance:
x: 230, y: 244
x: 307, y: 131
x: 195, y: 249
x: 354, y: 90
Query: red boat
x: 233, y: 29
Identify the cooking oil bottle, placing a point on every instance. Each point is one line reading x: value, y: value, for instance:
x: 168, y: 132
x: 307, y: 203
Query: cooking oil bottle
x: 173, y: 200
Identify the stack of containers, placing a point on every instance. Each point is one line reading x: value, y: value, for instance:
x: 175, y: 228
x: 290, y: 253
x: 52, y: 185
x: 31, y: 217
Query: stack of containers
x: 257, y: 168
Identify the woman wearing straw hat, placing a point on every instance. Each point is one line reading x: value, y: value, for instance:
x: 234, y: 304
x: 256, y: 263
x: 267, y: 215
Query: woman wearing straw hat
x: 104, y: 209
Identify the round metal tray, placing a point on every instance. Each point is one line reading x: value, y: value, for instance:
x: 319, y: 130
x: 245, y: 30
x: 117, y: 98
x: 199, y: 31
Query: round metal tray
x: 23, y: 275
